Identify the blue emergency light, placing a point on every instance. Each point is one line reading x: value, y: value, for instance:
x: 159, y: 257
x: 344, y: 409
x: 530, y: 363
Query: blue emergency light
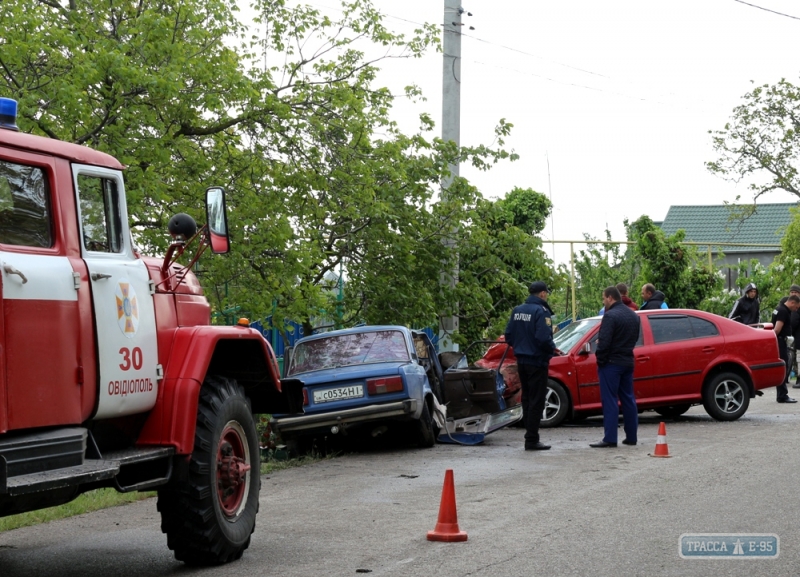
x: 8, y: 114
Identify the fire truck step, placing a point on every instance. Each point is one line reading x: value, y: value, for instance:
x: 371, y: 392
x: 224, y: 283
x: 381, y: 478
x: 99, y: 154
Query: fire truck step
x: 42, y: 451
x: 88, y: 472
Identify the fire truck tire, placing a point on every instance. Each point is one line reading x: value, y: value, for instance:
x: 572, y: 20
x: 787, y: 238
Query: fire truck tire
x: 209, y: 512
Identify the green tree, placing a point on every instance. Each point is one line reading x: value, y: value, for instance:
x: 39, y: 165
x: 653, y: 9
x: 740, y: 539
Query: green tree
x: 676, y: 270
x: 499, y: 256
x: 760, y: 145
x: 284, y: 114
x: 652, y: 257
x: 599, y: 266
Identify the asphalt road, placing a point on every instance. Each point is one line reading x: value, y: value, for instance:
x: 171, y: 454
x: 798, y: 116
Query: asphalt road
x: 572, y: 510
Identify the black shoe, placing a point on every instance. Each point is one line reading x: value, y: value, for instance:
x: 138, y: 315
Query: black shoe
x: 627, y: 442
x: 796, y: 386
x: 602, y: 445
x: 537, y: 447
x: 787, y: 400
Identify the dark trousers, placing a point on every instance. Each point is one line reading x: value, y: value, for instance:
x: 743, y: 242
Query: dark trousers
x: 783, y: 353
x: 616, y: 383
x: 534, y: 386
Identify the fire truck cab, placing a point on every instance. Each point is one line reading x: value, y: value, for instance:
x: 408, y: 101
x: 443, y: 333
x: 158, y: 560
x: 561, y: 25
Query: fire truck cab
x: 111, y: 374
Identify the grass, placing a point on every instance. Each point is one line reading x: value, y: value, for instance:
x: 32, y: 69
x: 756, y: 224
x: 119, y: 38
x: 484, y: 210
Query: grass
x: 86, y: 503
x: 105, y: 498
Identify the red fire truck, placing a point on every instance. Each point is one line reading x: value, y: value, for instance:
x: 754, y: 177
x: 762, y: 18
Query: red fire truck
x: 110, y: 373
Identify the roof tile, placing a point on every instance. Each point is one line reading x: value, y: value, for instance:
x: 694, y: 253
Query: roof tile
x: 718, y: 223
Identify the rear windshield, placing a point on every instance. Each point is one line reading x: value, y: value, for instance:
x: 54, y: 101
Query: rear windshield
x: 348, y: 350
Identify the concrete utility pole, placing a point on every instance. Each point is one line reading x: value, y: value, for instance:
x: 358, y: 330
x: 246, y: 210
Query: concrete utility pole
x: 451, y: 130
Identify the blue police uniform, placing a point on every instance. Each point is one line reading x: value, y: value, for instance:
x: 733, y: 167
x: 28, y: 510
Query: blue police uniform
x: 529, y: 331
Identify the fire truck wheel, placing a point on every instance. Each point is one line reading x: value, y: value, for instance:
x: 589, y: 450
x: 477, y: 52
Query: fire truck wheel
x: 209, y: 511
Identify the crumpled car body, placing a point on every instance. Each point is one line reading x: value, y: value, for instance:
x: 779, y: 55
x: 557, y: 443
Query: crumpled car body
x: 373, y: 378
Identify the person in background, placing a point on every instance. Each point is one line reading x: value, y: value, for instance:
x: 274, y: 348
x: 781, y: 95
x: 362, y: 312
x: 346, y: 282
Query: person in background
x: 795, y: 322
x: 619, y: 331
x: 653, y: 299
x: 530, y: 333
x: 782, y: 321
x: 626, y: 300
x: 746, y: 310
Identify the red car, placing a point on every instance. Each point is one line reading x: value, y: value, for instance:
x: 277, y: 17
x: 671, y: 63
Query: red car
x: 683, y: 358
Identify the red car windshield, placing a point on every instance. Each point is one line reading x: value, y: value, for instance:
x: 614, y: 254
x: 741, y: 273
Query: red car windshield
x: 568, y: 337
x: 348, y: 350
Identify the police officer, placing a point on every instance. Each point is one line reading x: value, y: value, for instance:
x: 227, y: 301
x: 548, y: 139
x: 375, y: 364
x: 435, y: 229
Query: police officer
x: 795, y: 322
x: 530, y: 333
x: 782, y: 325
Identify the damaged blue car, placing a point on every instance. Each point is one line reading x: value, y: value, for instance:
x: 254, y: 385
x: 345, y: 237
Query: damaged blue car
x: 376, y: 379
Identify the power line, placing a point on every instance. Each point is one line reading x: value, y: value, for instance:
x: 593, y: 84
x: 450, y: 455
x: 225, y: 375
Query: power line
x: 536, y: 56
x: 512, y: 49
x: 594, y: 88
x: 767, y: 9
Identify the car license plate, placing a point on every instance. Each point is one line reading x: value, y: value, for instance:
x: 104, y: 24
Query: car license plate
x: 339, y: 393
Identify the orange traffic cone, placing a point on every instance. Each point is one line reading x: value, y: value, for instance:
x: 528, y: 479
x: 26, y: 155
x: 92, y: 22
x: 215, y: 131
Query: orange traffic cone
x: 447, y: 525
x: 662, y: 450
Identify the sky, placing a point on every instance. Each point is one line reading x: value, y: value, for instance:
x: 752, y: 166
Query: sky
x: 617, y: 96
x: 611, y: 100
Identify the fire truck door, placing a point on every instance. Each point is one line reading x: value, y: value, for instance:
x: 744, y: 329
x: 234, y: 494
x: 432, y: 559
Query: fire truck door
x: 39, y: 357
x: 121, y: 296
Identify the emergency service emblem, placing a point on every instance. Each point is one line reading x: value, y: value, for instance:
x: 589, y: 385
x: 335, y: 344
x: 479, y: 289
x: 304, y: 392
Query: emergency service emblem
x: 127, y: 308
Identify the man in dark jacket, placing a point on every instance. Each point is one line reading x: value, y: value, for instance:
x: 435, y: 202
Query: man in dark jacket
x: 619, y: 331
x: 795, y: 324
x: 746, y: 309
x: 530, y: 333
x: 781, y: 319
x: 652, y: 298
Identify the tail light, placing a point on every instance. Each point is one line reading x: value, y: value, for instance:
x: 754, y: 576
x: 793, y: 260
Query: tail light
x: 384, y: 385
x: 305, y: 396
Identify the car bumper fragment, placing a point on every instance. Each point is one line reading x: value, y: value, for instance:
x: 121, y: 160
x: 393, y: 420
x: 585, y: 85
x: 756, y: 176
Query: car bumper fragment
x: 368, y: 413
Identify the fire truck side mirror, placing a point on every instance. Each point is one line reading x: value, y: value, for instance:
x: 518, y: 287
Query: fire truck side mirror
x: 217, y: 219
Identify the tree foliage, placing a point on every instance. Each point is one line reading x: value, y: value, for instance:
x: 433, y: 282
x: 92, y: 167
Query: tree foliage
x: 284, y: 113
x: 599, y: 266
x: 760, y: 145
x: 674, y: 269
x: 499, y: 256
